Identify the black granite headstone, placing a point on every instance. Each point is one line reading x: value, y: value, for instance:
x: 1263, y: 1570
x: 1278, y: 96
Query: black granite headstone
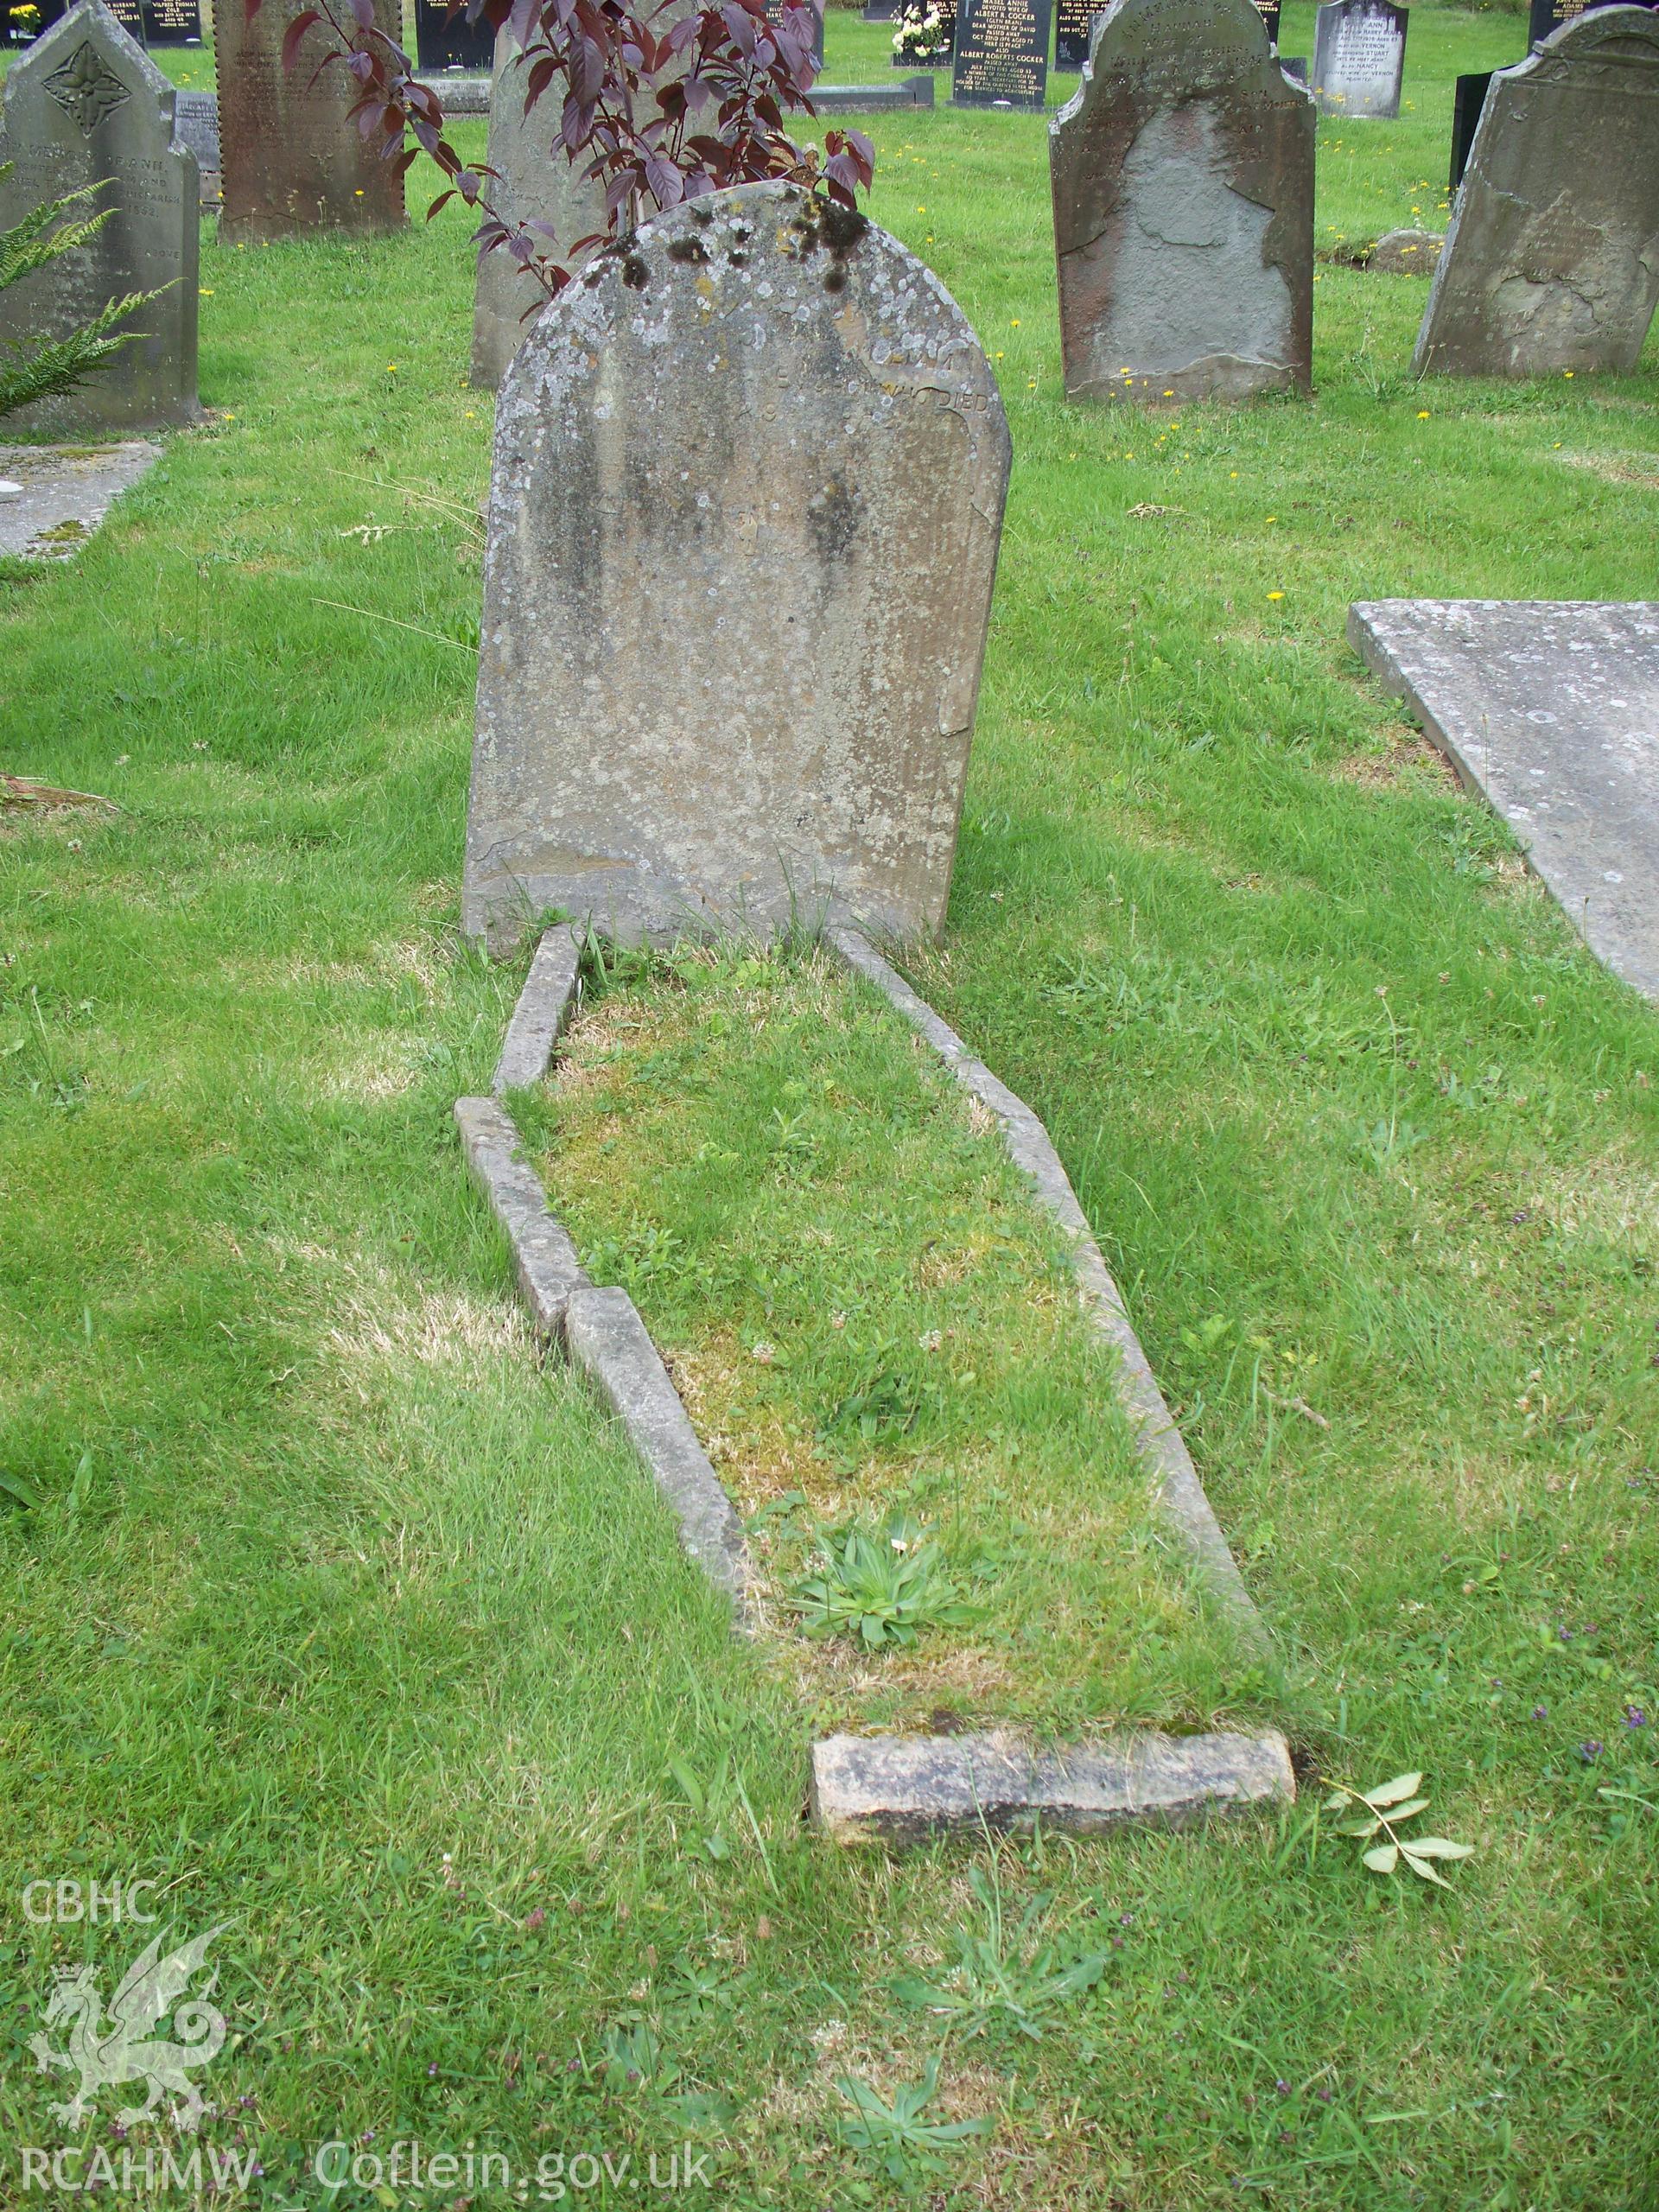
x: 1547, y: 15
x: 880, y: 11
x: 1002, y: 53
x: 172, y: 22
x: 1294, y: 67
x: 1268, y: 11
x: 447, y: 42
x: 1467, y: 100
x: 1074, y: 25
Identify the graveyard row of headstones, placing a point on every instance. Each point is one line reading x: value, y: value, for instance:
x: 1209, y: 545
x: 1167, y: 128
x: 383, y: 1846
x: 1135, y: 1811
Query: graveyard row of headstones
x: 1182, y: 176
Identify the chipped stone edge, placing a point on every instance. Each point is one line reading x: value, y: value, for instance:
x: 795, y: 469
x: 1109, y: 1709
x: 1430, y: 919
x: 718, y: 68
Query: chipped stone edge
x: 907, y: 1788
x: 890, y: 1790
x: 1178, y: 1491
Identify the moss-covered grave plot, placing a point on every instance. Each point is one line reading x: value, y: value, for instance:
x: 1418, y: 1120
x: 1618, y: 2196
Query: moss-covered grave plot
x: 877, y: 1335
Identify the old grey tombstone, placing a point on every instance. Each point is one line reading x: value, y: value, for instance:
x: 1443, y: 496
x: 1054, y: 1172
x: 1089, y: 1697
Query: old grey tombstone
x: 1359, y: 57
x: 1552, y: 258
x: 1183, y: 181
x: 1551, y: 710
x: 197, y: 114
x: 536, y: 183
x: 86, y: 106
x: 744, y: 514
x: 292, y: 158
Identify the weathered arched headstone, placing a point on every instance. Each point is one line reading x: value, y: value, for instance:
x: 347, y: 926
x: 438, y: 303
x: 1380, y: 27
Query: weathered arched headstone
x: 744, y: 514
x: 86, y: 106
x: 534, y: 182
x: 292, y: 158
x: 1183, y: 180
x: 1552, y: 256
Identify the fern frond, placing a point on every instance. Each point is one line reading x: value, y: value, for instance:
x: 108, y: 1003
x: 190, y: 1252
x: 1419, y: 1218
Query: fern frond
x: 66, y: 365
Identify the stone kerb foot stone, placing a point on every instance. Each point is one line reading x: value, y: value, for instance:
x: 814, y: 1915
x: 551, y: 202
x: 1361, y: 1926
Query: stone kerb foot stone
x: 906, y: 1789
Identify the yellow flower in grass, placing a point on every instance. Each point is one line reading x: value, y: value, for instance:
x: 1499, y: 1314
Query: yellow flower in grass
x: 1275, y: 594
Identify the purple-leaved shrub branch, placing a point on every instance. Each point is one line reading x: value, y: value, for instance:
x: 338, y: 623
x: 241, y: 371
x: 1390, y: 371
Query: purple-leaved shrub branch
x: 658, y: 103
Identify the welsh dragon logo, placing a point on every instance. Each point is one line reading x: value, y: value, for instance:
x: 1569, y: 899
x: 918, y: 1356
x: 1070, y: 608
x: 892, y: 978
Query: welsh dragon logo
x: 121, y: 2047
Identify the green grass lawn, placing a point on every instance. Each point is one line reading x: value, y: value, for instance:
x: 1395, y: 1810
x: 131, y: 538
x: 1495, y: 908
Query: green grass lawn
x: 347, y: 1618
x: 879, y: 1338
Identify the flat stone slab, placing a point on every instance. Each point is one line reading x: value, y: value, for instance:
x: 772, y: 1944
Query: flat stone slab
x: 904, y: 1788
x: 1550, y: 709
x: 65, y: 492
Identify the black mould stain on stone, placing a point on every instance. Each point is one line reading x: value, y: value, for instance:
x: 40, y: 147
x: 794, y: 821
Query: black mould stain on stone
x: 635, y: 275
x: 822, y: 226
x: 688, y: 249
x: 832, y: 518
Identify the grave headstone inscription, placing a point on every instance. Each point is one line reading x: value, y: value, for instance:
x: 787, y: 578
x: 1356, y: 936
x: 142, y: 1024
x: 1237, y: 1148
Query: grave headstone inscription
x: 172, y: 22
x: 1074, y: 25
x: 1002, y: 53
x: 86, y: 106
x: 744, y: 514
x: 536, y: 183
x: 291, y: 158
x: 197, y: 117
x: 1359, y: 57
x: 1547, y: 15
x: 1269, y: 10
x: 444, y: 41
x: 1183, y: 186
x: 1552, y: 256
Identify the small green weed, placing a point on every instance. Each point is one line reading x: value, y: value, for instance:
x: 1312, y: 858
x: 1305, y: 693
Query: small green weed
x: 1009, y: 1976
x: 882, y: 1588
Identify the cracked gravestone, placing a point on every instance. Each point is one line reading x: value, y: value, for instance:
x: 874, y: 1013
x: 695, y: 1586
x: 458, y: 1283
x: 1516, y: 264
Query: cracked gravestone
x: 86, y: 106
x: 1552, y: 258
x: 1551, y: 710
x: 292, y: 158
x: 1359, y: 57
x: 1183, y: 184
x: 535, y: 183
x: 744, y: 512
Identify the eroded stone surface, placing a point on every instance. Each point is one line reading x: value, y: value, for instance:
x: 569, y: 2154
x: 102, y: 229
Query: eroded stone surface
x: 86, y: 106
x: 744, y: 515
x: 1183, y: 185
x: 1551, y: 709
x: 1359, y: 57
x: 291, y: 160
x: 544, y: 1258
x: 1552, y: 258
x: 536, y: 184
x: 61, y: 497
x: 904, y: 1788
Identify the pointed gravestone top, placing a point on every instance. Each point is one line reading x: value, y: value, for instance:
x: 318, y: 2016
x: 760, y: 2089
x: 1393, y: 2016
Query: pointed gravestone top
x: 1182, y: 181
x: 1552, y: 258
x: 86, y: 106
x: 744, y: 514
